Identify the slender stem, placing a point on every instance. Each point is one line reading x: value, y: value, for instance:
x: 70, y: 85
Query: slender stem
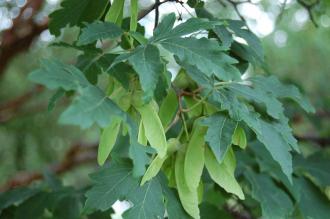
x: 157, y: 4
x: 197, y: 104
x: 184, y: 125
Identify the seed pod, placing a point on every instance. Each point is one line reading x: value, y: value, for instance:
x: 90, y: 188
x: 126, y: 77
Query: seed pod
x: 142, y: 139
x: 194, y: 159
x: 189, y: 199
x: 239, y: 137
x: 108, y: 140
x: 157, y: 163
x: 168, y: 108
x: 153, y: 128
x: 223, y: 174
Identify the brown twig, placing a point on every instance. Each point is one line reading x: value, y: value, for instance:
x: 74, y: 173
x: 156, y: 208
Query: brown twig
x: 235, y: 5
x: 20, y: 36
x: 309, y: 7
x: 19, y: 101
x: 280, y: 15
x: 78, y: 154
x: 157, y: 4
x: 321, y: 141
x: 10, y: 108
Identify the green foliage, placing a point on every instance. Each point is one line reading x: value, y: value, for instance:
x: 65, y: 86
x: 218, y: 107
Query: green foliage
x: 223, y: 174
x: 97, y: 31
x: 219, y: 134
x: 116, y: 181
x: 178, y: 127
x: 70, y: 14
x: 274, y: 202
x: 46, y: 200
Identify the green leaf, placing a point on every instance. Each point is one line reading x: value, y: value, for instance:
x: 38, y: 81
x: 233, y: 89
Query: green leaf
x: 315, y: 167
x: 205, y: 54
x: 115, y: 14
x: 134, y: 15
x: 224, y: 35
x: 192, y: 25
x: 75, y: 12
x: 34, y: 207
x: 143, y: 198
x: 275, y: 203
x: 223, y: 174
x: 139, y: 37
x: 199, y: 77
x: 153, y: 128
x: 189, y: 199
x: 117, y: 182
x: 16, y: 196
x: 219, y: 134
x: 62, y: 202
x: 283, y: 128
x: 55, y: 98
x: 311, y: 202
x: 109, y: 185
x: 267, y: 132
x: 209, y: 211
x: 268, y: 165
x: 164, y: 26
x: 174, y: 208
x: 54, y: 74
x: 255, y: 46
x: 158, y: 162
x: 153, y: 169
x: 140, y: 159
x: 94, y: 64
x: 91, y: 106
x: 108, y: 140
x: 276, y: 145
x: 273, y: 85
x: 273, y: 106
x: 148, y: 65
x: 194, y: 161
x: 98, y: 31
x: 68, y: 207
x: 239, y: 137
x: 195, y: 106
x: 123, y: 79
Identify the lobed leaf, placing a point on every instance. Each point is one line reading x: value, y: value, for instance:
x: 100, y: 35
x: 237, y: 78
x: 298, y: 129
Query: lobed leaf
x: 75, y: 12
x: 98, y: 31
x: 220, y: 131
x: 54, y: 74
x: 91, y: 106
x: 275, y: 203
x: 205, y: 54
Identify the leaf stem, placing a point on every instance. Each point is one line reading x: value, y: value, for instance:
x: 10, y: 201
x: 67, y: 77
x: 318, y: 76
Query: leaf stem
x: 184, y: 125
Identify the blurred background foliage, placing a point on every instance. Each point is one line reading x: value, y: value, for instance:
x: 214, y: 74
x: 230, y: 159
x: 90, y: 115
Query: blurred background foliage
x: 31, y: 138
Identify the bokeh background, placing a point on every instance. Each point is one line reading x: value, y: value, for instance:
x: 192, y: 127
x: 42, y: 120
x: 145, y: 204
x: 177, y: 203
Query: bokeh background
x: 31, y: 140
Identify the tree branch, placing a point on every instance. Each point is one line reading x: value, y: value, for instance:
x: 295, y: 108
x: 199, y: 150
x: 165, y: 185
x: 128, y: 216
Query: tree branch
x: 321, y: 141
x: 309, y: 8
x: 20, y: 36
x: 77, y: 155
x: 10, y: 108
